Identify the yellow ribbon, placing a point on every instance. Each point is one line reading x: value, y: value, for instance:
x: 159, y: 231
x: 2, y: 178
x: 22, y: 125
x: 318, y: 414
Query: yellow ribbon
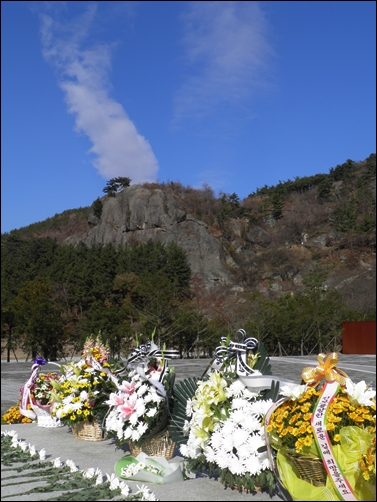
x: 325, y: 369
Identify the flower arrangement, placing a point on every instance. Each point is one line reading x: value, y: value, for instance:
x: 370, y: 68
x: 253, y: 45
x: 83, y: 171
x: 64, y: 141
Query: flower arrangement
x: 40, y: 391
x: 140, y: 406
x: 349, y: 434
x: 148, y: 469
x: 80, y: 394
x: 224, y: 424
x: 133, y: 469
x: 13, y: 415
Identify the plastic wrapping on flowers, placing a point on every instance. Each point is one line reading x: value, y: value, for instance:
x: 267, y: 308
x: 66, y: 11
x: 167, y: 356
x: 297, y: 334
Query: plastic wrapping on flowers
x: 346, y: 446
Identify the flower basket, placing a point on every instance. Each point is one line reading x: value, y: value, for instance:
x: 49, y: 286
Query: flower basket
x: 86, y: 431
x: 322, y: 436
x: 159, y: 446
x: 44, y: 418
x: 309, y: 468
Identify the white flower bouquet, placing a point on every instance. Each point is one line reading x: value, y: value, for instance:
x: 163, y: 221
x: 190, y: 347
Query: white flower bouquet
x: 223, y: 432
x: 140, y: 407
x: 150, y: 470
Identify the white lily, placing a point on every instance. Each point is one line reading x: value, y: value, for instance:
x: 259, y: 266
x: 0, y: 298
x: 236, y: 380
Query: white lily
x: 42, y: 454
x: 293, y: 391
x: 32, y: 450
x: 360, y: 392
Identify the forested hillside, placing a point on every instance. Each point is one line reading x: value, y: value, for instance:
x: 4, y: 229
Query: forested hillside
x: 298, y: 259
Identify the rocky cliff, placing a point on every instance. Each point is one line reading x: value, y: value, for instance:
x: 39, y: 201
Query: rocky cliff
x: 138, y: 214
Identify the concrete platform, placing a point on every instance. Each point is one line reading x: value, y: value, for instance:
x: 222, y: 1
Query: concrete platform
x: 59, y: 442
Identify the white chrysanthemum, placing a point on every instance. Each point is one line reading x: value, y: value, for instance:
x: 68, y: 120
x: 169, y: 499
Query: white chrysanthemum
x: 142, y: 389
x: 83, y: 395
x: 216, y: 441
x: 71, y: 465
x: 236, y: 389
x: 77, y: 406
x: 56, y: 462
x: 145, y: 493
x: 240, y: 436
x: 124, y: 488
x: 250, y: 394
x: 261, y: 407
x: 68, y: 399
x: 135, y: 435
x: 186, y: 428
x: 139, y: 408
x: 228, y: 443
x: 237, y: 467
x: 88, y: 473
x: 113, y: 480
x: 133, y: 419
x: 142, y: 428
x: 147, y: 398
x: 253, y: 465
x: 152, y: 412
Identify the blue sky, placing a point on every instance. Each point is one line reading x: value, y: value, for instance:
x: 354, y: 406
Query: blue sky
x: 237, y: 95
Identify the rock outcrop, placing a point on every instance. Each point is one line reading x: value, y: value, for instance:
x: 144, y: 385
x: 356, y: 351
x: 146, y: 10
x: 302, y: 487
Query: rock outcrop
x: 138, y: 214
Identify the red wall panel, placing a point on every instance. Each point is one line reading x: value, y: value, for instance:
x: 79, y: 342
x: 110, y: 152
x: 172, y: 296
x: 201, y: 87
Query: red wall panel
x: 359, y: 337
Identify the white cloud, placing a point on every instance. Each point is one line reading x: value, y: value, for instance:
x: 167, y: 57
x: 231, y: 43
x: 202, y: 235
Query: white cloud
x: 83, y: 76
x: 227, y: 48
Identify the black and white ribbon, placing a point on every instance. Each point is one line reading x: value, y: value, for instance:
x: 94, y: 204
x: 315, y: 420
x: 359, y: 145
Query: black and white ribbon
x: 149, y: 350
x: 237, y: 352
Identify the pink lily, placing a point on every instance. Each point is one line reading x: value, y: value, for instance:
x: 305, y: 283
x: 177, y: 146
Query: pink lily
x: 127, y: 388
x: 126, y: 410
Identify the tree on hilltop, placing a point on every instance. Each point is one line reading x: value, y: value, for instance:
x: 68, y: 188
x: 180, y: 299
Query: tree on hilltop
x: 115, y: 185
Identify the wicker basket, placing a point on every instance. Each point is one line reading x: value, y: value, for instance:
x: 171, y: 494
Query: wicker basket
x: 44, y: 418
x: 310, y: 468
x: 88, y: 432
x: 161, y: 445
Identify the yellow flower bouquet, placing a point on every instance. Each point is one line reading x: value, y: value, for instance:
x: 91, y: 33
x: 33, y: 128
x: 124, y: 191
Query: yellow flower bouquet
x: 324, y: 436
x: 80, y: 395
x: 13, y: 416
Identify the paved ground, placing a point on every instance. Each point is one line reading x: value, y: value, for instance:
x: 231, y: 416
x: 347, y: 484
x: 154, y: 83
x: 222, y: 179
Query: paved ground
x: 60, y: 442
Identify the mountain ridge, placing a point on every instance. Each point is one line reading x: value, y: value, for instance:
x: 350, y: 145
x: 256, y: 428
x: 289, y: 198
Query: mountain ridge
x: 265, y: 243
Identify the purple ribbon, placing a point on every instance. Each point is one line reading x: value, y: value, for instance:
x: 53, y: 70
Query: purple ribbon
x: 39, y: 360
